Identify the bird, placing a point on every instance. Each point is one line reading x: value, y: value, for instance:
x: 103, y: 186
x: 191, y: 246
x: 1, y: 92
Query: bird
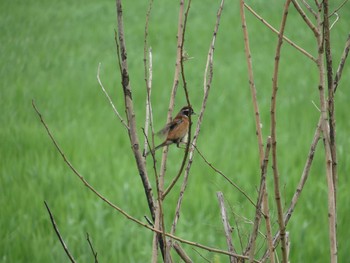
x: 176, y: 130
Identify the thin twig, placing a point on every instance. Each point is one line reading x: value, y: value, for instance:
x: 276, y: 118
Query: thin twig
x: 91, y: 247
x: 121, y: 211
x: 306, y: 19
x: 338, y: 8
x: 203, y: 257
x: 226, y: 178
x: 109, y: 98
x: 58, y: 234
x: 343, y: 58
x: 226, y: 224
x: 309, y: 8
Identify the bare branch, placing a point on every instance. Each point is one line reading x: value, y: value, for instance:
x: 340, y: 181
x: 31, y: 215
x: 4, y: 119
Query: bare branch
x: 109, y: 98
x: 226, y: 224
x: 91, y: 247
x: 58, y: 234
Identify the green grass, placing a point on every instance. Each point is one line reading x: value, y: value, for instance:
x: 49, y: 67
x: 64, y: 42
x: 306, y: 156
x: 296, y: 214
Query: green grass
x: 50, y: 52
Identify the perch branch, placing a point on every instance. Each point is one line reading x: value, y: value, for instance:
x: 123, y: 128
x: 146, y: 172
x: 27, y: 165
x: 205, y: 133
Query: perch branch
x: 58, y: 234
x: 174, y: 88
x: 173, y: 182
x: 208, y: 76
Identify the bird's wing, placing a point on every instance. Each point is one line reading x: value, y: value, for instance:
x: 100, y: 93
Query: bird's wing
x: 170, y: 126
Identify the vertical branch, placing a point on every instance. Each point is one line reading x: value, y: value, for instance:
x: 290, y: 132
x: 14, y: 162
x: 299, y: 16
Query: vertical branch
x: 326, y: 141
x: 251, y: 82
x: 226, y: 224
x: 331, y: 122
x: 273, y: 134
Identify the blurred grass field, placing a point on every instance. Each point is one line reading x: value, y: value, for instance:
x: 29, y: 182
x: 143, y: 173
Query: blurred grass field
x: 50, y: 52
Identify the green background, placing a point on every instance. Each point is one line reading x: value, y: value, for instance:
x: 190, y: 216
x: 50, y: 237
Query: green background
x: 50, y: 51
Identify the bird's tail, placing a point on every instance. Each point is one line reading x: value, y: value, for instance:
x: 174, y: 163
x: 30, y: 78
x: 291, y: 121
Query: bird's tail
x: 156, y: 148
